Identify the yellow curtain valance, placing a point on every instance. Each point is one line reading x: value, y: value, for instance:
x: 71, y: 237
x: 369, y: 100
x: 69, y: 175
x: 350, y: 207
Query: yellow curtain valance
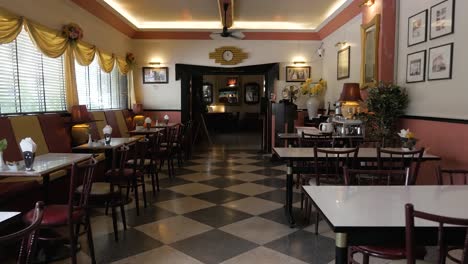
x: 53, y: 44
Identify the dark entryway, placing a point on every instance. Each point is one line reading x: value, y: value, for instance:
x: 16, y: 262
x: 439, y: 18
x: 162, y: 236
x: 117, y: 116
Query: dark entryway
x: 194, y: 101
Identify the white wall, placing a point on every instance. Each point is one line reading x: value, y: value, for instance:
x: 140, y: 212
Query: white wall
x: 56, y: 13
x: 351, y: 33
x: 170, y: 52
x: 443, y: 98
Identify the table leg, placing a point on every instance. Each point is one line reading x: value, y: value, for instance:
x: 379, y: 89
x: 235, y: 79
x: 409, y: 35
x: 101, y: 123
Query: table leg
x: 289, y: 194
x: 341, y: 248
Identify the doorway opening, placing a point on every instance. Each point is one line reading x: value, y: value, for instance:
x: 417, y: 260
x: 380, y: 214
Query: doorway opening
x: 229, y: 107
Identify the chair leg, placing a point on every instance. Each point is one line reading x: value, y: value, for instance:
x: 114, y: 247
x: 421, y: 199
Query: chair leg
x: 122, y: 213
x: 156, y: 174
x: 114, y: 223
x: 302, y: 201
x: 365, y: 258
x: 152, y: 175
x: 72, y: 243
x: 89, y: 234
x: 317, y: 220
x: 143, y: 187
x: 137, y: 200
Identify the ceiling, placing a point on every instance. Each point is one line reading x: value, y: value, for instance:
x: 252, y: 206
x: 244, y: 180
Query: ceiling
x: 258, y: 15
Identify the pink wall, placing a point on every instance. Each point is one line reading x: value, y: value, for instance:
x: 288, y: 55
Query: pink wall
x: 174, y: 116
x: 447, y: 140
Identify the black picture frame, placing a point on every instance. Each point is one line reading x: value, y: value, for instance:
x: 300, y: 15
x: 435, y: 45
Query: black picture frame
x: 423, y: 55
x: 411, y: 29
x: 433, y: 21
x: 207, y: 93
x: 345, y: 53
x: 431, y: 59
x: 155, y: 75
x: 251, y: 93
x: 297, y: 73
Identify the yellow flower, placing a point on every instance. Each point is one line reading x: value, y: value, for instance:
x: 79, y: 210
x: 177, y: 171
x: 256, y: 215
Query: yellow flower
x: 410, y: 135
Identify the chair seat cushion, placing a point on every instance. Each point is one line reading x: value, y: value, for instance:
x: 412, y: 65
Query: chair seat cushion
x: 55, y: 215
x: 393, y: 252
x: 127, y: 173
x: 98, y: 188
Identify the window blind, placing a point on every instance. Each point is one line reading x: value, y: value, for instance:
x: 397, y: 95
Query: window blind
x: 30, y: 81
x: 100, y: 90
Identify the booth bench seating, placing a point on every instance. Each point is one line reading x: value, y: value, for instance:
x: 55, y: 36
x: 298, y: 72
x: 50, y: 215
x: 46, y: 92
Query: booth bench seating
x: 52, y: 133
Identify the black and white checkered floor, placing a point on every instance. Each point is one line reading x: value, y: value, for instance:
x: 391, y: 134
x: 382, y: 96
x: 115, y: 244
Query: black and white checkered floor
x: 223, y: 207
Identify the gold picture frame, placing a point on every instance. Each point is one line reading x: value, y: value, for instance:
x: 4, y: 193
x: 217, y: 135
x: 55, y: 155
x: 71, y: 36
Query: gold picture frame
x: 370, y: 34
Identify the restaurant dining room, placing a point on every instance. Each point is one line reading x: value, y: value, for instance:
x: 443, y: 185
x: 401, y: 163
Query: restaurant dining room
x: 230, y: 131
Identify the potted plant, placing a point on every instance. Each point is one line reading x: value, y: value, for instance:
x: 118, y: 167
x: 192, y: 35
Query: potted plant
x: 3, y: 146
x: 385, y: 103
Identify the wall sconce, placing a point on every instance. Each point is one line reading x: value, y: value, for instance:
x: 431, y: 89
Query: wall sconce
x: 367, y: 3
x: 299, y: 62
x: 341, y: 44
x: 154, y: 63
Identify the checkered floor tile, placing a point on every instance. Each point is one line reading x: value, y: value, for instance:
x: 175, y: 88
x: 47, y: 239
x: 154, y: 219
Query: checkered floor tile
x: 223, y: 206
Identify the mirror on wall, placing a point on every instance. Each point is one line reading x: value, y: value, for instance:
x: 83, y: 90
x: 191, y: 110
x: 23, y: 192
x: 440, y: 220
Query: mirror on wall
x: 207, y: 93
x: 252, y: 93
x: 370, y: 33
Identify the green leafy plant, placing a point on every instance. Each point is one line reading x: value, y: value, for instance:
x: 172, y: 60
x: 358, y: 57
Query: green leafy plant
x: 3, y: 144
x: 386, y: 103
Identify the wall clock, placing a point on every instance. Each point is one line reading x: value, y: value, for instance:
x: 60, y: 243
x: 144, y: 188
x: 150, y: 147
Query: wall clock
x: 228, y: 55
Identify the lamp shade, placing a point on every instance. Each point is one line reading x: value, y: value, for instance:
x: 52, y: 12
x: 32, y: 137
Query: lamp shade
x: 137, y: 109
x: 79, y: 113
x: 350, y: 93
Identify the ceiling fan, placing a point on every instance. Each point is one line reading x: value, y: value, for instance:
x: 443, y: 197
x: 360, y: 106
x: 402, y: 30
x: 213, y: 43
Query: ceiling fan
x: 226, y: 33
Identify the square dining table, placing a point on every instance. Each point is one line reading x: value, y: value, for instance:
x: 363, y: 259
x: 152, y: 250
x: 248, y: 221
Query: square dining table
x: 291, y: 155
x: 375, y: 215
x: 44, y: 165
x: 145, y: 132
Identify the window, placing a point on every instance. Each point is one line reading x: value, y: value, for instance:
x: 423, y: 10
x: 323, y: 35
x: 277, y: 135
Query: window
x: 30, y: 81
x: 100, y: 90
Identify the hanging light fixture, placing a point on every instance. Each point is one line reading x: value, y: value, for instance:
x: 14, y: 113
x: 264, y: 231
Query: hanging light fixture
x: 367, y: 3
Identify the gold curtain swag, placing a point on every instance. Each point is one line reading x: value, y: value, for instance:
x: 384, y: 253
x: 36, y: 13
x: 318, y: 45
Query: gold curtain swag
x: 52, y: 44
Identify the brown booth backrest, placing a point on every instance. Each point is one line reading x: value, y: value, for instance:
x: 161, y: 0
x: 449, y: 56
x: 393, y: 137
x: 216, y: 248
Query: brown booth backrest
x: 56, y: 134
x: 12, y: 153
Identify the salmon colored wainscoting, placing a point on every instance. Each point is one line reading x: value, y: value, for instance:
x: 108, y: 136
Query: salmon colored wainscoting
x: 445, y: 139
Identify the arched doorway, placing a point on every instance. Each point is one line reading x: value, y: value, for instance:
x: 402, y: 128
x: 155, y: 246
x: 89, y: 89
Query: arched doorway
x: 191, y: 77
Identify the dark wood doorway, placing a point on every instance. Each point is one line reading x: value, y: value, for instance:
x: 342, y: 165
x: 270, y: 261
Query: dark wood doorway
x: 191, y: 77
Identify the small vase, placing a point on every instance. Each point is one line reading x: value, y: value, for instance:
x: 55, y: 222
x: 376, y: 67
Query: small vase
x: 312, y: 106
x: 2, y: 163
x: 90, y: 140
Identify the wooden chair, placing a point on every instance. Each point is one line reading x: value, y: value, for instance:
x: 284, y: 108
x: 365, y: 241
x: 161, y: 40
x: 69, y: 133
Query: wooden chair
x: 73, y: 214
x: 328, y: 167
x: 167, y: 150
x: 393, y: 159
x: 411, y: 246
x: 27, y: 236
x: 451, y: 177
x: 378, y: 177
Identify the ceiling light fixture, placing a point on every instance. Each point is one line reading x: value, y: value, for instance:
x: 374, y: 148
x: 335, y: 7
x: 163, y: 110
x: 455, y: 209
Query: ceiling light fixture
x: 367, y: 3
x: 341, y: 44
x: 154, y: 63
x: 299, y: 62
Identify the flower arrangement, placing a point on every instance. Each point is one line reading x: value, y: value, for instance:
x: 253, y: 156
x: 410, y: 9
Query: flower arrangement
x: 130, y: 58
x: 408, y: 139
x: 311, y: 89
x: 3, y: 144
x: 72, y: 31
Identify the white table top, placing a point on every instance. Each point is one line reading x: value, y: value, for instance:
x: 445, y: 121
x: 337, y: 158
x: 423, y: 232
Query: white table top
x: 383, y: 206
x: 308, y: 153
x: 4, y: 216
x: 45, y: 164
x: 100, y: 145
x: 164, y: 125
x: 145, y: 131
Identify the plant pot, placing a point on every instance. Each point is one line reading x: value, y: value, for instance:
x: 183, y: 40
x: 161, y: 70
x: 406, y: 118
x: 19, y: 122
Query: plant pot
x: 312, y: 107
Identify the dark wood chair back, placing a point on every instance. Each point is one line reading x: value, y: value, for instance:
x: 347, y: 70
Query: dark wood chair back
x: 329, y: 164
x: 393, y: 159
x: 376, y: 177
x: 82, y: 174
x: 27, y: 236
x: 316, y: 140
x: 411, y: 214
x: 139, y: 153
x: 450, y: 176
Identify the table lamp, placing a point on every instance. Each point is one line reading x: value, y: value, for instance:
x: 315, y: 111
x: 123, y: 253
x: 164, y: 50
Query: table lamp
x: 350, y: 97
x: 138, y: 117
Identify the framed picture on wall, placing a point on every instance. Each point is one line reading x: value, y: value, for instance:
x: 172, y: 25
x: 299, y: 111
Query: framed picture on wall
x: 297, y: 74
x: 344, y: 57
x: 417, y: 28
x: 155, y: 75
x: 440, y: 62
x: 442, y: 19
x: 252, y: 93
x: 416, y: 67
